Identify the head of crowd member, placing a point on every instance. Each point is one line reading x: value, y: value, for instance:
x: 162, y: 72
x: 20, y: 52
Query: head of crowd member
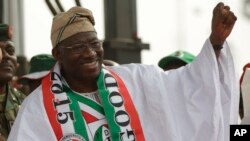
x: 39, y: 67
x: 5, y: 35
x: 77, y: 48
x: 175, y: 60
x: 9, y: 63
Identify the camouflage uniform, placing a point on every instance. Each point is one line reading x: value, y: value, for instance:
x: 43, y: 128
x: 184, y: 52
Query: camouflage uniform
x: 9, y: 109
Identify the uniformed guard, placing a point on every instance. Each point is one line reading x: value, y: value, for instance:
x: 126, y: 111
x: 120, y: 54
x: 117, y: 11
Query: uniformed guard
x: 10, y: 98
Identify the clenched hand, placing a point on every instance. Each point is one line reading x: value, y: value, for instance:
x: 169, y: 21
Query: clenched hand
x: 222, y: 24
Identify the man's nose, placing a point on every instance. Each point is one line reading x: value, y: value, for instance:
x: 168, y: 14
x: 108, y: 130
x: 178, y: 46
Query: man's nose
x: 88, y: 51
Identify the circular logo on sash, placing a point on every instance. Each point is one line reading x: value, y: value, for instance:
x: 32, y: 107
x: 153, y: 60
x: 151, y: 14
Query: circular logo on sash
x: 102, y: 134
x: 74, y: 137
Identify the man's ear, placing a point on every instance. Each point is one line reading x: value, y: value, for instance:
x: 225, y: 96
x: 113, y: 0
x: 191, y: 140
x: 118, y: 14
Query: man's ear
x: 56, y: 53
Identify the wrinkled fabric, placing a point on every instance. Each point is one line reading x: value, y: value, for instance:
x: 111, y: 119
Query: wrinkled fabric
x: 197, y: 102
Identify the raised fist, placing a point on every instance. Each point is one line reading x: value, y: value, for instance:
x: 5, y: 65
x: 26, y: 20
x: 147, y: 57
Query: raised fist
x: 222, y: 24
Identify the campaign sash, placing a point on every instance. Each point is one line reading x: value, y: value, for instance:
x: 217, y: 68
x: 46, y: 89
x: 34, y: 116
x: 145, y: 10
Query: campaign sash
x: 63, y: 108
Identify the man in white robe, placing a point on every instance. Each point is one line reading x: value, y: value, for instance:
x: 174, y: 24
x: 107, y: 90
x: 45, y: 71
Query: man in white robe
x: 197, y: 102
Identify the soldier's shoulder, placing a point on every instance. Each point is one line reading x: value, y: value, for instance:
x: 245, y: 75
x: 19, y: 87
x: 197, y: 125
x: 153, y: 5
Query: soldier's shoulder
x: 17, y: 94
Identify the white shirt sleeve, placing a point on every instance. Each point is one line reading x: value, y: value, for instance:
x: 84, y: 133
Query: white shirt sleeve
x: 196, y: 102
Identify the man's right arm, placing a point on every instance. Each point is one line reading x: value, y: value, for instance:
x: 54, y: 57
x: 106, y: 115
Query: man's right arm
x: 222, y: 24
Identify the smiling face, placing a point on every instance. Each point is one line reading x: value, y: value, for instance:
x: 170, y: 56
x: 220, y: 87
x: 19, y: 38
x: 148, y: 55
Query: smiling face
x: 80, y: 57
x: 9, y: 62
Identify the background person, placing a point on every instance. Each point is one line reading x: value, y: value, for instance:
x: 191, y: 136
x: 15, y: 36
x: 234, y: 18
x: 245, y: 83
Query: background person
x: 39, y: 67
x: 5, y: 34
x: 175, y: 60
x: 10, y: 98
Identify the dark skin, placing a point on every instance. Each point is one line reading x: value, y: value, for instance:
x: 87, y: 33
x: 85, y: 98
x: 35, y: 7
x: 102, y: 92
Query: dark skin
x: 33, y: 84
x: 175, y: 64
x: 222, y: 24
x: 9, y: 63
x: 2, y: 138
x: 80, y: 69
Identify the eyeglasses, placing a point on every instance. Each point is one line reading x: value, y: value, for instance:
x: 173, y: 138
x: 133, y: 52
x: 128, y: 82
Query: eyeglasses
x: 79, y: 48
